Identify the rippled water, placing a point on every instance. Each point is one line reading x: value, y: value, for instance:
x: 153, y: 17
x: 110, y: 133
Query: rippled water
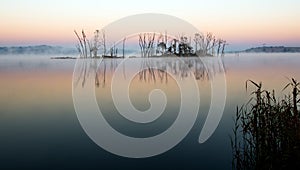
x: 39, y: 126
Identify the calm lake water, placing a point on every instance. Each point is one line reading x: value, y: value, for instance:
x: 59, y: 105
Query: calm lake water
x: 39, y: 128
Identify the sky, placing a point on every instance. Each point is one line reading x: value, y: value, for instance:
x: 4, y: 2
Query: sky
x: 242, y: 23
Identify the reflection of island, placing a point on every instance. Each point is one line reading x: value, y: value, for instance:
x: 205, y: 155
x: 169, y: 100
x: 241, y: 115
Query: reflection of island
x: 153, y: 69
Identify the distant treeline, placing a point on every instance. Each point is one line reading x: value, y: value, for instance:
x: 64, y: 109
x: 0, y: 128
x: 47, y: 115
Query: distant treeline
x: 273, y: 49
x: 39, y: 49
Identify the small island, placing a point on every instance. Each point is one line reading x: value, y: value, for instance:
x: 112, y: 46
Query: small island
x: 152, y: 44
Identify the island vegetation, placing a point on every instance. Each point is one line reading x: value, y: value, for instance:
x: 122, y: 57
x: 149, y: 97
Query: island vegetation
x: 152, y: 45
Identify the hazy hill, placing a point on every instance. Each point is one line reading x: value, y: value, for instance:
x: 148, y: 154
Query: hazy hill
x: 273, y: 49
x: 40, y: 49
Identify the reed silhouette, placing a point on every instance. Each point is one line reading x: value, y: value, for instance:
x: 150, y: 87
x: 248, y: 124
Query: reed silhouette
x: 266, y: 130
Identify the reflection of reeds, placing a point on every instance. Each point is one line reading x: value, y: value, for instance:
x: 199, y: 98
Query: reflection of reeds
x: 86, y: 67
x: 266, y: 131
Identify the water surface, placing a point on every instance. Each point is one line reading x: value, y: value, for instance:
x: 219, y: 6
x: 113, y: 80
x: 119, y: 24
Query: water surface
x: 39, y: 126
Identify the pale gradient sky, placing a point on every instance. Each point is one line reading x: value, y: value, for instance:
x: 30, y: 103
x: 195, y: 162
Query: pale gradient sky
x: 243, y: 23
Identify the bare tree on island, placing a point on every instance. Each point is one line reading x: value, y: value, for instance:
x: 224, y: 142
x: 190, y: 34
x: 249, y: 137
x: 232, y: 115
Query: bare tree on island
x: 97, y: 43
x: 161, y: 45
x: 100, y: 41
x: 150, y: 45
x: 197, y: 39
x: 219, y: 43
x: 146, y: 43
x: 113, y: 51
x: 208, y: 44
x: 223, y: 47
x: 123, y: 49
x: 104, y: 42
x: 209, y: 40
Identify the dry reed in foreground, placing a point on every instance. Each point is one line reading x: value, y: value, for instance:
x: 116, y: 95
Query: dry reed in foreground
x: 266, y: 130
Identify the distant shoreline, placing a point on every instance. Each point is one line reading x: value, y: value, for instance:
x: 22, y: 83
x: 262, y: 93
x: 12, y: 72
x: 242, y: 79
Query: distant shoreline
x: 37, y: 49
x: 52, y: 50
x: 272, y: 49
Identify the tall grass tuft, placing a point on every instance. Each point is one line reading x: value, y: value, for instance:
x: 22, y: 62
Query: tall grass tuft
x: 266, y: 132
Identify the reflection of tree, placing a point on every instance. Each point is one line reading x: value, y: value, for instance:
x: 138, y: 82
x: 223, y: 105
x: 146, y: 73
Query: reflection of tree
x: 106, y: 68
x: 153, y: 69
x: 87, y: 66
x: 149, y: 72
